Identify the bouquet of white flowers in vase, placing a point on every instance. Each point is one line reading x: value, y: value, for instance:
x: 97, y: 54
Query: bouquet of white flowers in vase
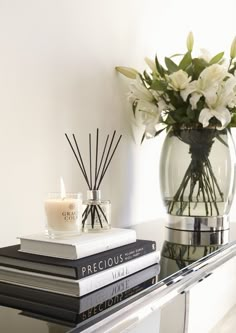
x: 194, y: 100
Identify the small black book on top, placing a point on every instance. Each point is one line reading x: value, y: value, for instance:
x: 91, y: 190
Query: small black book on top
x: 10, y: 256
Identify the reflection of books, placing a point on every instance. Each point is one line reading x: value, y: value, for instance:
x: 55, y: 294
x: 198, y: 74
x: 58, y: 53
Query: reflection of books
x: 48, y: 306
x: 79, y: 304
x: 74, y: 269
x: 77, y: 287
x: 82, y: 246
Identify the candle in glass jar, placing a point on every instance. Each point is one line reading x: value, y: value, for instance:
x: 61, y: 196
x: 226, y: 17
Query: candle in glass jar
x: 63, y: 214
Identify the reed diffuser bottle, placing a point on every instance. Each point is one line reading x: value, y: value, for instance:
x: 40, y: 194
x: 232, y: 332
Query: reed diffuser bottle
x: 97, y: 212
x: 96, y: 215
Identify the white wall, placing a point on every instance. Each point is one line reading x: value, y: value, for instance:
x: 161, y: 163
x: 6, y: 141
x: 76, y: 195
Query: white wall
x: 57, y: 60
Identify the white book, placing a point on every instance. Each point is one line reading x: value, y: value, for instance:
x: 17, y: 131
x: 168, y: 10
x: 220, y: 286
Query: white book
x: 77, y: 287
x: 77, y: 247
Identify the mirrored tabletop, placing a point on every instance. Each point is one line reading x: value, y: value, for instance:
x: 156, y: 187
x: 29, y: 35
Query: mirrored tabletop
x: 147, y: 299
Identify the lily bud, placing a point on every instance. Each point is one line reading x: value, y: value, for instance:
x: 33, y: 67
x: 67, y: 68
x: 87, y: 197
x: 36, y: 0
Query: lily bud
x: 233, y: 49
x: 129, y: 72
x: 151, y: 64
x: 190, y: 41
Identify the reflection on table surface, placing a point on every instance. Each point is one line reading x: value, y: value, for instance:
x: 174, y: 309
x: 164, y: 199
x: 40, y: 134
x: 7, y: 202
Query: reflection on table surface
x: 20, y: 314
x: 12, y: 320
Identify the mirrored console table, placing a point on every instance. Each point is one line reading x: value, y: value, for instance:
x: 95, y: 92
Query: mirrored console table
x: 195, y: 291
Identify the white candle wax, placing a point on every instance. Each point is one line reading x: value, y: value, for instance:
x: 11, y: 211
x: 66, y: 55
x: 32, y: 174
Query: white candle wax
x: 64, y: 214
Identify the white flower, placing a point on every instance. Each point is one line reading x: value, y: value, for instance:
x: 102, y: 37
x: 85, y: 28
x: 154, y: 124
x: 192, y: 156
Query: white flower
x: 147, y: 114
x: 190, y: 41
x: 207, y: 84
x: 233, y: 49
x: 211, y: 74
x: 151, y: 64
x: 217, y: 105
x: 127, y: 71
x: 205, y: 55
x: 221, y: 113
x: 179, y: 80
x: 139, y: 91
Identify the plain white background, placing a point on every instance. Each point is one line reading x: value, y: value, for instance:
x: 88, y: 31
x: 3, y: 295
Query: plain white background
x: 57, y: 60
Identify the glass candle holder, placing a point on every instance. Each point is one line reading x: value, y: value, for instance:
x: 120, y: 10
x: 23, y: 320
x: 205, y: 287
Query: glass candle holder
x: 63, y: 215
x: 96, y: 213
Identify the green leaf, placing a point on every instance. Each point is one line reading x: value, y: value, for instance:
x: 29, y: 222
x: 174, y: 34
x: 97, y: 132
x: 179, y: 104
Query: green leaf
x: 198, y: 66
x: 158, y: 132
x: 159, y: 85
x: 189, y: 69
x: 160, y: 69
x: 171, y: 66
x: 134, y: 105
x: 221, y: 140
x: 147, y: 77
x: 177, y: 55
x: 233, y: 119
x: 143, y: 137
x: 186, y: 61
x: 216, y: 58
x: 190, y: 113
x: 175, y: 98
x: 169, y: 120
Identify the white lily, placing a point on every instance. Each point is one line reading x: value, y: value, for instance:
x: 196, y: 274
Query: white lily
x: 217, y: 106
x: 190, y: 41
x: 233, y: 49
x: 139, y: 91
x: 179, y: 80
x: 205, y: 55
x: 129, y: 72
x: 147, y: 114
x: 207, y: 84
x: 151, y: 64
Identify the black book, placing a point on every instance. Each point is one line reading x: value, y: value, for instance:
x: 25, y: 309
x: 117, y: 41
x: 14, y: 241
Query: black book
x: 78, y: 304
x: 76, y: 310
x: 10, y: 256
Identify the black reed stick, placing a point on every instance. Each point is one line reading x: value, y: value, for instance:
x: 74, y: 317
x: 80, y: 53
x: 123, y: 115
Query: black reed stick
x: 100, y: 164
x: 96, y: 158
x: 104, y: 164
x: 81, y: 160
x: 103, y: 174
x: 81, y: 168
x: 90, y: 161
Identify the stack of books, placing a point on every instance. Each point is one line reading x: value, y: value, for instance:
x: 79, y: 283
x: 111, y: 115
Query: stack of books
x: 76, y: 278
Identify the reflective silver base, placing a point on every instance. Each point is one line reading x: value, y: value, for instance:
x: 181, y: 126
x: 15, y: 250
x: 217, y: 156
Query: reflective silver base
x: 198, y: 231
x: 197, y: 238
x: 200, y: 223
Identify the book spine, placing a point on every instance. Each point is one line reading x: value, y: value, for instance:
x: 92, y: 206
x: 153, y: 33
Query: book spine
x: 112, y: 259
x: 113, y: 274
x: 115, y: 300
x: 118, y: 287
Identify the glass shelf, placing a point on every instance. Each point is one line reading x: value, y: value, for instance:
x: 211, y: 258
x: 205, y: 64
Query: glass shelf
x: 168, y: 293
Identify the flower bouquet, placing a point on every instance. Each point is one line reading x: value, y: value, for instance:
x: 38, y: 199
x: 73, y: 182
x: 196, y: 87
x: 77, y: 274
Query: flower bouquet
x: 194, y: 99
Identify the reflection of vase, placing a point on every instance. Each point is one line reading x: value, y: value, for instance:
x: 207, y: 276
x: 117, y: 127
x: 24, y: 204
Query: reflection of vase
x: 178, y: 256
x: 183, y: 247
x: 197, y: 173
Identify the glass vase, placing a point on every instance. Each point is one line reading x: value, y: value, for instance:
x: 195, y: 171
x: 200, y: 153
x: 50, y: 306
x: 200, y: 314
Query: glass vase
x: 197, y: 173
x: 97, y: 213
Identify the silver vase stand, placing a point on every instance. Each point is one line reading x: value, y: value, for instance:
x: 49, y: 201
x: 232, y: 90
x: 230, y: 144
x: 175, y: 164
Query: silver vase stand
x: 198, y: 231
